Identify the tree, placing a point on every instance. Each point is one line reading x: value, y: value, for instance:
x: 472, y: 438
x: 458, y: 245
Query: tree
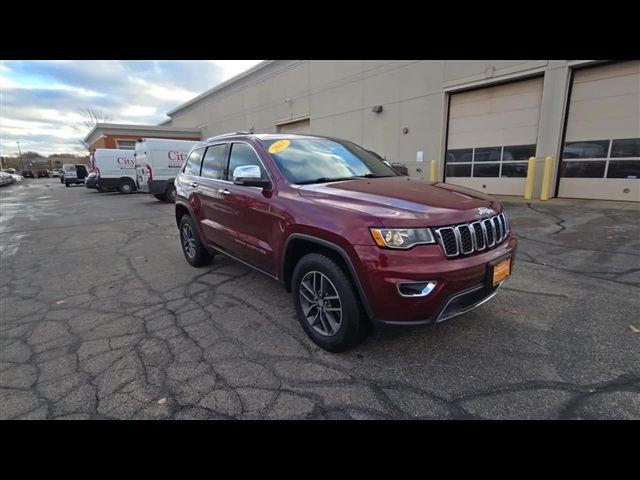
x: 90, y: 117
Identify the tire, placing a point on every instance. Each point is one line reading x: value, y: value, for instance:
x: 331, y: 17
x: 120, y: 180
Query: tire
x: 66, y: 184
x: 170, y: 194
x: 340, y: 333
x: 160, y: 196
x: 198, y: 256
x: 126, y: 186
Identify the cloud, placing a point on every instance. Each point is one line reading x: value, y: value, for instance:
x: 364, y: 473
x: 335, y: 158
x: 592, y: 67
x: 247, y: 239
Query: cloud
x: 40, y: 100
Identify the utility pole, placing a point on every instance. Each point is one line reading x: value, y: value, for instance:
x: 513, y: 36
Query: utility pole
x: 20, y: 152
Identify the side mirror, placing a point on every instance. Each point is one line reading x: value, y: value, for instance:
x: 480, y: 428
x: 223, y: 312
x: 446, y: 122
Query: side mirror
x: 249, y: 176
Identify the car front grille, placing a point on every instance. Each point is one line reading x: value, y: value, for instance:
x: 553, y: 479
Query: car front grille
x: 468, y: 238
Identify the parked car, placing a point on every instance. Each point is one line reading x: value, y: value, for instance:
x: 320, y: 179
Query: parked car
x: 91, y: 180
x: 356, y: 243
x: 157, y: 162
x: 56, y: 173
x: 116, y: 170
x: 18, y: 178
x: 74, y: 174
x: 6, y: 178
x: 9, y: 170
x: 43, y: 173
x: 27, y: 174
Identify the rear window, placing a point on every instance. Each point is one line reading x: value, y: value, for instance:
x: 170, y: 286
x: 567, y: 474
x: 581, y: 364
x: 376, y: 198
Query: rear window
x: 69, y: 168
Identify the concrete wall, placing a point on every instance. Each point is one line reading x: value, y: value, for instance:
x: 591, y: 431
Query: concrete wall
x: 338, y: 97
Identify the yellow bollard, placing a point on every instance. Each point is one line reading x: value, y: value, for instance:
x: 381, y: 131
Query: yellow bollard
x: 531, y: 178
x: 434, y: 170
x: 546, y: 178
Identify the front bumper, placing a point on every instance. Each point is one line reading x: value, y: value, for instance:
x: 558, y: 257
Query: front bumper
x: 462, y: 283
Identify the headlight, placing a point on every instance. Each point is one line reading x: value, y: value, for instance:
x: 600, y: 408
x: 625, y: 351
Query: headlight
x: 401, y: 237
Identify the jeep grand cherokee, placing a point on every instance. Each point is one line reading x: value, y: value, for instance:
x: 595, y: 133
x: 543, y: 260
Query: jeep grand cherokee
x: 354, y: 242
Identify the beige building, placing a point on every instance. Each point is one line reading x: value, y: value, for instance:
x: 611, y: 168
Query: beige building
x: 480, y: 120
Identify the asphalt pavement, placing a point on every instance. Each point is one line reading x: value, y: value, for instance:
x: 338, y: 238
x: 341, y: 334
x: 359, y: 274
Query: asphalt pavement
x: 102, y: 317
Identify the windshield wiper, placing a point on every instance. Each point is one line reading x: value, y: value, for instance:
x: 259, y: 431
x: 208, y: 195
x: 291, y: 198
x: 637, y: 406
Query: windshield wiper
x: 373, y: 175
x: 325, y: 180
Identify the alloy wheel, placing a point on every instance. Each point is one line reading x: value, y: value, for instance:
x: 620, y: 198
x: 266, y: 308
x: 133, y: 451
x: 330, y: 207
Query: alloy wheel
x: 321, y: 303
x: 188, y: 241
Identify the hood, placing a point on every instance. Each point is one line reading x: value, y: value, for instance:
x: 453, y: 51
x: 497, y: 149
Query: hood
x: 403, y: 201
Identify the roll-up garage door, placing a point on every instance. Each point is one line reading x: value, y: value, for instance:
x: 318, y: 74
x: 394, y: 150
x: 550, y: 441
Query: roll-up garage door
x: 301, y: 127
x: 601, y: 153
x: 492, y: 132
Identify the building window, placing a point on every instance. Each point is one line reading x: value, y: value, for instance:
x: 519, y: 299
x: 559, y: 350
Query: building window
x: 616, y: 158
x: 126, y: 144
x: 506, y: 161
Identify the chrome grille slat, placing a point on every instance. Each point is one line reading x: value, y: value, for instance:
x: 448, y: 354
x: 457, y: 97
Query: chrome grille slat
x: 479, y: 242
x: 472, y: 237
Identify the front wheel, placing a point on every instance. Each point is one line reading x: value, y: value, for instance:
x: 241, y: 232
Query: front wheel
x: 66, y: 184
x: 327, y: 304
x: 194, y: 250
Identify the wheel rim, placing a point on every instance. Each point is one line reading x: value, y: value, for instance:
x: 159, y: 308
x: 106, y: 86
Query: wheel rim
x: 171, y: 194
x: 320, y: 303
x: 126, y: 188
x: 188, y: 241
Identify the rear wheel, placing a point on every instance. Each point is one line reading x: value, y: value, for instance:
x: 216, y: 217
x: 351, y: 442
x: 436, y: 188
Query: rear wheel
x: 327, y: 304
x: 126, y: 186
x: 194, y: 250
x: 66, y: 184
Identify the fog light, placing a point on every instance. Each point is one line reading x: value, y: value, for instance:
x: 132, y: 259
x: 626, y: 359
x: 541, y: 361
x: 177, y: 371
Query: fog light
x: 416, y: 289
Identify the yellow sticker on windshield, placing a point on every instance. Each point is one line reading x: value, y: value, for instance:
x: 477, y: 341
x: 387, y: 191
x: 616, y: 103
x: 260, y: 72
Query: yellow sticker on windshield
x: 279, y: 146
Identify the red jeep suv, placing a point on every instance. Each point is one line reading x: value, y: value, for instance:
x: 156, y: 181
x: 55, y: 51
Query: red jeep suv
x: 356, y: 243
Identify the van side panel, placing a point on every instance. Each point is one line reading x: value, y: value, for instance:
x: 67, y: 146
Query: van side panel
x: 161, y: 160
x: 113, y: 165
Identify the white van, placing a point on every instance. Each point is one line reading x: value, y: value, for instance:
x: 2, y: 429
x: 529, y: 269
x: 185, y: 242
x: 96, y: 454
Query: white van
x: 74, y: 174
x: 158, y: 161
x: 115, y: 169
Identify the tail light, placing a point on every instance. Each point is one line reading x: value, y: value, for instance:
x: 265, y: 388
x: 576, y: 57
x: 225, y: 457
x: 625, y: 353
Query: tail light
x: 149, y: 172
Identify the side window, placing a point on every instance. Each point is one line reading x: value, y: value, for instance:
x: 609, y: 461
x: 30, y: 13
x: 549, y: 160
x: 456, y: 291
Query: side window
x: 241, y: 155
x: 192, y: 166
x: 214, y: 162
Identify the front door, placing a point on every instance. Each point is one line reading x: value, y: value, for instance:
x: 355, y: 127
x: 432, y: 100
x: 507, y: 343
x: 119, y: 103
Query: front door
x: 250, y: 218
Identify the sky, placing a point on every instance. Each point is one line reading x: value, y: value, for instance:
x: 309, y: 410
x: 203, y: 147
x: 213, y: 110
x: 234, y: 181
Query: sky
x: 40, y: 100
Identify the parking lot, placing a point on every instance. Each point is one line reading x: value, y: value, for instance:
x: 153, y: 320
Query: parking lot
x: 102, y: 317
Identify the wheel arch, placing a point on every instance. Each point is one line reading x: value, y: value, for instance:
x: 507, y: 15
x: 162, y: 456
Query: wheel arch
x: 298, y: 244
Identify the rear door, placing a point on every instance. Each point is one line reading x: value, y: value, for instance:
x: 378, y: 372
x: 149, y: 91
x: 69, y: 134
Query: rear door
x: 189, y: 183
x: 212, y: 184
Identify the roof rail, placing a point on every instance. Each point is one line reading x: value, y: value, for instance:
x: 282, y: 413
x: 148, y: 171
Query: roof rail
x: 242, y: 132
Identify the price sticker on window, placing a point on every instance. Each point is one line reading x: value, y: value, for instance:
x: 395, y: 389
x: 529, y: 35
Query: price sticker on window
x: 279, y: 146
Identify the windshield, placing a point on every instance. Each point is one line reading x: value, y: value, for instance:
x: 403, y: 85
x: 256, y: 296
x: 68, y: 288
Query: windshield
x: 319, y: 160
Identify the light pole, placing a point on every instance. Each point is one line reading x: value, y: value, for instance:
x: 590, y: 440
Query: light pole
x: 20, y: 152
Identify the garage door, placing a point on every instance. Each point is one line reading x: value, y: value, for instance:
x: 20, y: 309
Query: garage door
x: 492, y: 132
x: 301, y: 127
x: 601, y: 153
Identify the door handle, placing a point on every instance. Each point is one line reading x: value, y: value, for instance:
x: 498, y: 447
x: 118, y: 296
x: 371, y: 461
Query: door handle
x: 193, y: 184
x: 224, y: 191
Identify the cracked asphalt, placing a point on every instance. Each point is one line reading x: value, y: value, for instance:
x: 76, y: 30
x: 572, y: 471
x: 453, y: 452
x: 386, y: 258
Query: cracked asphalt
x: 101, y: 317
